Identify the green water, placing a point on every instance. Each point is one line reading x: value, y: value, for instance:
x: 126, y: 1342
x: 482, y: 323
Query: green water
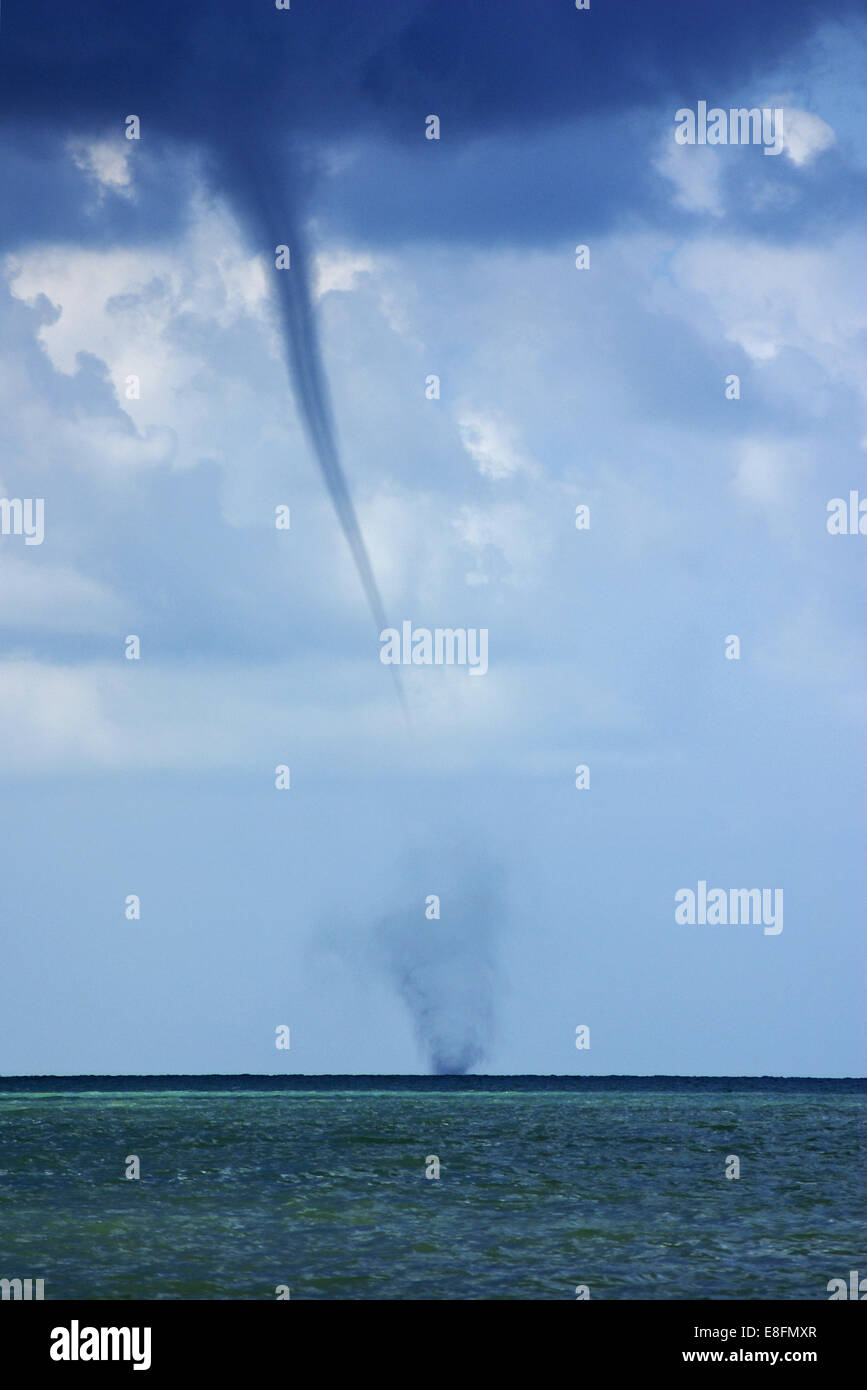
x: 326, y: 1193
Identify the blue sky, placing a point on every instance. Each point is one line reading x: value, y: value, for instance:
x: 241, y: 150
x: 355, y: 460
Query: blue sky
x: 558, y: 387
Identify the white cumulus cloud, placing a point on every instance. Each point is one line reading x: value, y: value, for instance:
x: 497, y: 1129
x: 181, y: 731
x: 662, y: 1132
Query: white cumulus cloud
x: 491, y: 442
x: 805, y: 135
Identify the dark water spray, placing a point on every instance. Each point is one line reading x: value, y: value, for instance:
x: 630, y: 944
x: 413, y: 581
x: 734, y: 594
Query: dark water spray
x: 445, y: 970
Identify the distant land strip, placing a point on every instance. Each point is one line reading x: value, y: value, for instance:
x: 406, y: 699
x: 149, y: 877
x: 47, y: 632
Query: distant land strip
x: 425, y: 1084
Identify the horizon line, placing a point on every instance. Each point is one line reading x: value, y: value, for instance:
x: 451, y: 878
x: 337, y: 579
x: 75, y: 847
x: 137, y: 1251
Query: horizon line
x: 434, y: 1076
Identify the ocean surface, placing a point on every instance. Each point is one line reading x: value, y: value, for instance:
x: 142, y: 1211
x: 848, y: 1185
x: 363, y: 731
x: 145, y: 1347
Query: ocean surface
x: 318, y: 1184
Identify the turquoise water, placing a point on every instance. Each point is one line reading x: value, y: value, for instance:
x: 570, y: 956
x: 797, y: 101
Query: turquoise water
x: 325, y: 1191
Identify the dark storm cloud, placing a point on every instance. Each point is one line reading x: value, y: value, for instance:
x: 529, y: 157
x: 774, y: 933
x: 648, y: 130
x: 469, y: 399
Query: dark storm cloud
x: 336, y: 66
x: 208, y: 74
x: 255, y: 94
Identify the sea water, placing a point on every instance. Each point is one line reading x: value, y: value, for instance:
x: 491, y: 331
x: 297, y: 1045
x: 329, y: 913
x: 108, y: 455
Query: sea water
x: 318, y: 1186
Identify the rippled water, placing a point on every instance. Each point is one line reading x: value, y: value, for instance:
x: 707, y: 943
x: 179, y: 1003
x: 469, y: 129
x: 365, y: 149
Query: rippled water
x: 326, y: 1192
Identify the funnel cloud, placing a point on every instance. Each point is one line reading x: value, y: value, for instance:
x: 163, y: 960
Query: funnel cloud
x: 258, y: 185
